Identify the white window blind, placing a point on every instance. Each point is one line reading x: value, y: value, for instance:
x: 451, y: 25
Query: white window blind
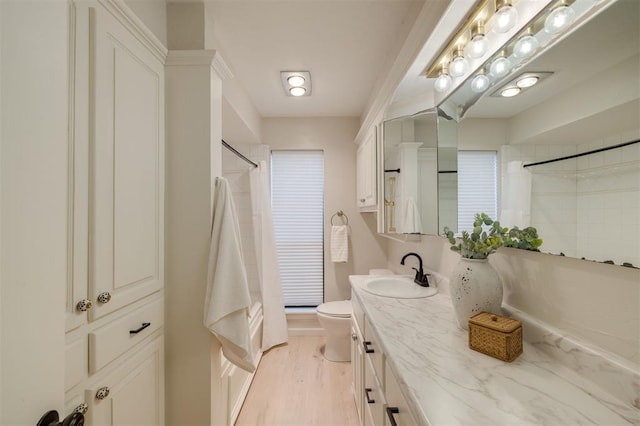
x: 477, y: 186
x: 297, y: 202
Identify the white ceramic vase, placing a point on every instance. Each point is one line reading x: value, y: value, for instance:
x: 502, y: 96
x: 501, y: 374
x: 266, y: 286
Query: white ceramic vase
x: 475, y: 287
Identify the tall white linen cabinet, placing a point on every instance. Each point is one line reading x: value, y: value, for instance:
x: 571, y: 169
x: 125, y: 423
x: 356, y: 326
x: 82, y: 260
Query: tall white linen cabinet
x: 115, y: 312
x: 82, y: 213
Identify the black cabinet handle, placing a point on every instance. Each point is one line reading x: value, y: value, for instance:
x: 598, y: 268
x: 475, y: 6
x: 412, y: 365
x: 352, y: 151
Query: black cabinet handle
x: 142, y: 327
x: 390, y: 412
x: 367, y: 349
x: 366, y: 393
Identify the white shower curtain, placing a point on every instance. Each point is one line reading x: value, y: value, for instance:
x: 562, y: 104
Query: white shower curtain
x: 516, y: 196
x: 274, y: 331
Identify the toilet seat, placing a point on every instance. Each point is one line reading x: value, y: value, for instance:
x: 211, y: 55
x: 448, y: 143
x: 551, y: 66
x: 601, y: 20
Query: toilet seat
x: 339, y: 309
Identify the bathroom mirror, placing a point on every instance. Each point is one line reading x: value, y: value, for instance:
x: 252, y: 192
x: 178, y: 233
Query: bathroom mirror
x: 577, y: 131
x: 420, y: 183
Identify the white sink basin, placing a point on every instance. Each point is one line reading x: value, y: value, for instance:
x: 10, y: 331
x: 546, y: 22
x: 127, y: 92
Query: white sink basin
x: 397, y: 286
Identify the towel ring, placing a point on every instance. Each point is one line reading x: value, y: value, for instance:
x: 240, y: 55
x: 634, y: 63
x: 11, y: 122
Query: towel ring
x: 341, y: 215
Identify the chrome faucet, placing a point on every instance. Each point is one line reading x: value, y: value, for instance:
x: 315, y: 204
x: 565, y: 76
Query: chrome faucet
x: 421, y: 278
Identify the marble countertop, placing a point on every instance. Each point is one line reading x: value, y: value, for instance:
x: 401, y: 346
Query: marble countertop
x: 446, y: 383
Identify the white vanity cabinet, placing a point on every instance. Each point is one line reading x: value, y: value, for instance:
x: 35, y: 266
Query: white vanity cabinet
x: 115, y: 303
x: 378, y: 396
x: 357, y: 357
x: 366, y: 173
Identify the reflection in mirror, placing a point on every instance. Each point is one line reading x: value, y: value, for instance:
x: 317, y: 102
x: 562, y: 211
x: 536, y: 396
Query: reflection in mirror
x: 410, y: 174
x: 420, y: 179
x: 447, y: 173
x: 584, y: 201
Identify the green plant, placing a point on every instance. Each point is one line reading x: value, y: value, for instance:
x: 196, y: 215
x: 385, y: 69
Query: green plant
x: 525, y: 239
x: 480, y: 243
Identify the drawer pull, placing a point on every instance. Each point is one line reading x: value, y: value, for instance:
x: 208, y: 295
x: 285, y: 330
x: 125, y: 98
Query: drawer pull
x: 142, y: 327
x: 366, y: 394
x: 84, y: 305
x: 390, y: 412
x: 367, y: 349
x: 82, y: 408
x: 102, y: 393
x: 104, y: 297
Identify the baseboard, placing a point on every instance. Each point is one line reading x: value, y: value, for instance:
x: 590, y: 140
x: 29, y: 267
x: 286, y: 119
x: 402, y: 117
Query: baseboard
x: 304, y: 324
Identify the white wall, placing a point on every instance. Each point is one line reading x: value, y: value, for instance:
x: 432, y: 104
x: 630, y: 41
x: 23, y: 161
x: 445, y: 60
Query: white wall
x: 34, y: 182
x: 335, y: 137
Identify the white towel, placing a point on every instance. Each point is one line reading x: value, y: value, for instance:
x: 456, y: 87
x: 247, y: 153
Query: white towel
x: 339, y: 243
x: 516, y: 196
x: 412, y: 221
x: 227, y: 300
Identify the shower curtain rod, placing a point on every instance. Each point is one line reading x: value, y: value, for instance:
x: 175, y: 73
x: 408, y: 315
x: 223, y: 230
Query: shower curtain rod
x: 595, y: 151
x: 236, y: 152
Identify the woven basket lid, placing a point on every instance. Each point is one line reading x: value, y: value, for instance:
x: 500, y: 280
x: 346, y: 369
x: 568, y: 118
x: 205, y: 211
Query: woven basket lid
x: 495, y: 322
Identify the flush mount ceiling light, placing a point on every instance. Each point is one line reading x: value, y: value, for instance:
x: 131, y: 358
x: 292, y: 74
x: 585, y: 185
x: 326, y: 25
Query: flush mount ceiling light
x: 510, y: 92
x: 521, y: 83
x: 296, y: 83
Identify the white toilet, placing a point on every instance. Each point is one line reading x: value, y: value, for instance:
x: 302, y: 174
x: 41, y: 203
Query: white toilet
x: 335, y: 318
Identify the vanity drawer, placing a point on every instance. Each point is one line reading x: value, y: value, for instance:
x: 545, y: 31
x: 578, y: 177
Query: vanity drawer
x: 396, y: 402
x: 373, y: 350
x: 373, y: 397
x: 108, y: 342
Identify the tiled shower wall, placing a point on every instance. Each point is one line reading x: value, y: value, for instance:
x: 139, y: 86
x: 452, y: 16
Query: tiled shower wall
x: 586, y: 206
x: 236, y: 171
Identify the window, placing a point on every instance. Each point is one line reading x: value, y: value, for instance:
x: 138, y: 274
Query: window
x: 297, y: 202
x: 477, y: 186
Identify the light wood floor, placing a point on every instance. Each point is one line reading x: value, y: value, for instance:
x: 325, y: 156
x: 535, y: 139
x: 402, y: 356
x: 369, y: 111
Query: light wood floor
x: 295, y: 385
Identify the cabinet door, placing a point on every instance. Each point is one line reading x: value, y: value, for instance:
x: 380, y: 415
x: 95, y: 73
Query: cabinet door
x: 357, y: 356
x: 397, y: 407
x: 366, y: 172
x: 131, y: 395
x: 126, y: 162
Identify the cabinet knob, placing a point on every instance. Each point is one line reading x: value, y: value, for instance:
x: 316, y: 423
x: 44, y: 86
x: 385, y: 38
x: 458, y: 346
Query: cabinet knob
x: 354, y: 337
x: 84, y: 305
x: 102, y: 393
x: 362, y: 200
x: 104, y: 297
x: 82, y: 408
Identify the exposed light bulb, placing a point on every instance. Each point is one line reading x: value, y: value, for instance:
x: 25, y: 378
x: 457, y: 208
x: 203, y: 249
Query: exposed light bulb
x: 525, y: 82
x: 480, y: 83
x: 459, y: 65
x: 443, y: 82
x: 559, y: 19
x: 504, y: 19
x: 296, y: 80
x: 297, y: 91
x: 526, y: 46
x: 478, y: 46
x: 510, y: 92
x: 500, y: 67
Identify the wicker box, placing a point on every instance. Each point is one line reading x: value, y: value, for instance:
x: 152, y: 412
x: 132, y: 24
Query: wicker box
x: 495, y: 335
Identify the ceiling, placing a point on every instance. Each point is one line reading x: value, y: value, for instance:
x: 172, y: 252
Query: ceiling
x: 346, y: 45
